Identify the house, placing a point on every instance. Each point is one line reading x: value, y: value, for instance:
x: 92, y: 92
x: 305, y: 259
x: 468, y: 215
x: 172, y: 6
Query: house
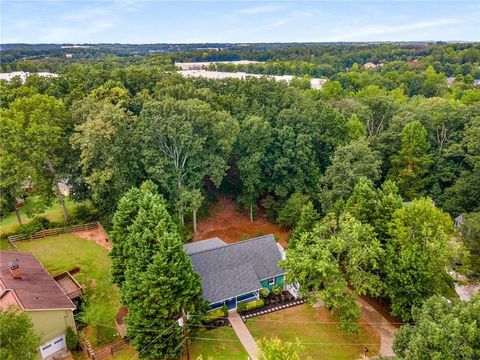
x: 450, y: 80
x: 233, y: 273
x: 459, y: 222
x: 27, y: 286
x: 476, y: 82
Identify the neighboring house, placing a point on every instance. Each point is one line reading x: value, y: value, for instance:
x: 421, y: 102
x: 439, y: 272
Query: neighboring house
x: 27, y: 286
x: 233, y: 273
x: 476, y: 82
x: 459, y: 222
x: 450, y: 80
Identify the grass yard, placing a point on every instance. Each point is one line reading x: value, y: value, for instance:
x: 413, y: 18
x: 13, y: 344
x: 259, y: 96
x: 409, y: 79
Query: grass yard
x: 229, y: 348
x: 61, y: 253
x: 321, y: 340
x: 9, y: 223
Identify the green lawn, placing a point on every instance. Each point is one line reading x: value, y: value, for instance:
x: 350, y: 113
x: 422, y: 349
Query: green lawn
x: 60, y: 253
x: 229, y: 348
x: 321, y: 340
x: 9, y: 223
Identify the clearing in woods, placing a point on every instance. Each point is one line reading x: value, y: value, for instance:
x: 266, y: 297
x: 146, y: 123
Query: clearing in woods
x: 232, y: 226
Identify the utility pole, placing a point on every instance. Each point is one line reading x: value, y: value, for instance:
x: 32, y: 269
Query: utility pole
x: 184, y: 332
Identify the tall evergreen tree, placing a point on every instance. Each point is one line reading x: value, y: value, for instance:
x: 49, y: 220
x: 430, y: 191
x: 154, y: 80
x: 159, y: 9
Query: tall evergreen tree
x: 410, y: 166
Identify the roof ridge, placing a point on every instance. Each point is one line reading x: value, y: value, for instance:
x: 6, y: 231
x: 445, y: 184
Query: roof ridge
x: 231, y: 244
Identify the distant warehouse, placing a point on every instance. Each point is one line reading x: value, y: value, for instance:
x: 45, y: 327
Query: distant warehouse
x: 314, y: 83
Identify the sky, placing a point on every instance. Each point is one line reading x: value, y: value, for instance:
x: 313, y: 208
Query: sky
x: 141, y: 22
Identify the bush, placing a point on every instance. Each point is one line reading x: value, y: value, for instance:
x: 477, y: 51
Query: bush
x: 83, y: 213
x: 225, y: 310
x: 37, y: 224
x: 255, y: 304
x: 241, y: 307
x: 277, y: 290
x: 72, y: 339
x: 264, y: 293
x: 214, y: 315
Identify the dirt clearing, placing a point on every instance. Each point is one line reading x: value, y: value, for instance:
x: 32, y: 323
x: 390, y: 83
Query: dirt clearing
x: 98, y: 235
x: 232, y: 226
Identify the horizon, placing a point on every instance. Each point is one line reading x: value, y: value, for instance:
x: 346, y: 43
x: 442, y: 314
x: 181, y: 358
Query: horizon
x: 244, y: 22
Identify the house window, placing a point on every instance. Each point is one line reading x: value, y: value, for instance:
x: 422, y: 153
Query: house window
x: 271, y: 281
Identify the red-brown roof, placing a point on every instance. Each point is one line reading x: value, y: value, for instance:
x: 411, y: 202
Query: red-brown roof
x: 36, y: 290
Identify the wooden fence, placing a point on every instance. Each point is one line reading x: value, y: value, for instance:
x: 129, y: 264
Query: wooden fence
x: 52, y: 232
x: 106, y: 352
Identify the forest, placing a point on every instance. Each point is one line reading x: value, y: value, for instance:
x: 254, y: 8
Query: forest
x: 368, y: 173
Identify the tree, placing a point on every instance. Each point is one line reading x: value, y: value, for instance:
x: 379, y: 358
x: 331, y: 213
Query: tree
x: 105, y: 141
x: 416, y: 256
x: 308, y: 219
x: 275, y: 349
x: 441, y: 329
x: 37, y: 127
x: 471, y: 238
x: 290, y: 213
x: 410, y: 166
x: 141, y: 211
x: 183, y: 142
x: 350, y: 162
x: 159, y: 296
x: 18, y: 340
x: 252, y: 143
x: 355, y: 129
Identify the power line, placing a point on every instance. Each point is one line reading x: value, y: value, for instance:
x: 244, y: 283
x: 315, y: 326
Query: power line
x: 163, y: 333
x: 305, y: 343
x: 172, y: 352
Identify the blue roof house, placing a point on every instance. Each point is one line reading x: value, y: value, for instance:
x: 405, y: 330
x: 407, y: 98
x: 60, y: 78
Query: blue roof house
x: 233, y: 273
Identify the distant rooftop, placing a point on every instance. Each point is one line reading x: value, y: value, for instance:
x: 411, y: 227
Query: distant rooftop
x: 35, y: 290
x: 23, y: 75
x: 218, y: 75
x: 202, y: 64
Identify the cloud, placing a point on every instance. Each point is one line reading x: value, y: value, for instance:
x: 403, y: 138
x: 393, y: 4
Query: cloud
x: 261, y: 9
x: 389, y: 29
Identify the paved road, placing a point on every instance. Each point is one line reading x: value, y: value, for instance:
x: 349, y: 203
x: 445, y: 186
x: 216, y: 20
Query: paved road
x: 243, y: 335
x: 383, y: 326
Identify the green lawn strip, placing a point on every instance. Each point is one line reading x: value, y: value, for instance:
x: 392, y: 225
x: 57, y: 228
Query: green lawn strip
x: 321, y: 340
x: 223, y: 344
x: 9, y: 222
x: 61, y: 253
x: 4, y: 245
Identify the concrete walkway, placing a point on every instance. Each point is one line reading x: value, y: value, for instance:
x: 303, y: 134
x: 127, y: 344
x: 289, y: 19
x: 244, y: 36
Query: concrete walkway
x: 383, y: 326
x: 243, y: 335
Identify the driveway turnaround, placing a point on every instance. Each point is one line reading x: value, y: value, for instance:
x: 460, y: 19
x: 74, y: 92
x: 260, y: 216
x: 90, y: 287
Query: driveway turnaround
x: 243, y: 335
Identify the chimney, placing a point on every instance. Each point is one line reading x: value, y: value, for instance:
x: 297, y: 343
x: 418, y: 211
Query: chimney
x: 14, y: 267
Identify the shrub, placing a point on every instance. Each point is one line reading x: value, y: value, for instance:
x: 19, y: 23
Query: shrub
x: 225, y: 310
x: 84, y: 213
x: 264, y: 293
x: 72, y: 339
x: 214, y: 315
x: 277, y: 290
x: 255, y: 304
x: 37, y: 224
x: 241, y: 307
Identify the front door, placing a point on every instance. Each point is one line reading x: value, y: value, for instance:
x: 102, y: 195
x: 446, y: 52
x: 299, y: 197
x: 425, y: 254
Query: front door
x: 231, y: 303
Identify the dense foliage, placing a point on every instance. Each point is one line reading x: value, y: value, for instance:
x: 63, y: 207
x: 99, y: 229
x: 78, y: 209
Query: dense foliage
x: 367, y: 172
x: 18, y: 340
x: 443, y: 330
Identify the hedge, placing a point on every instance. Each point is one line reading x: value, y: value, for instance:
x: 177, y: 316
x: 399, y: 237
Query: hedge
x: 214, y: 315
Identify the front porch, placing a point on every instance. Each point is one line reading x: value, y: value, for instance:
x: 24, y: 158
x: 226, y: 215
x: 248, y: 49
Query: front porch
x: 232, y: 303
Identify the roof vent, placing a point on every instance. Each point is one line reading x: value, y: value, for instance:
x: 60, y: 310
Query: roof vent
x: 14, y: 267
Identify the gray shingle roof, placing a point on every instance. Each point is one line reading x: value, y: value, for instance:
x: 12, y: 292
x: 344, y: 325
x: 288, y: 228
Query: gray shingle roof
x: 235, y: 269
x: 203, y: 245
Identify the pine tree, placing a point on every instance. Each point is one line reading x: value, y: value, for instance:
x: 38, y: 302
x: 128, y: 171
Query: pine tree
x: 159, y: 295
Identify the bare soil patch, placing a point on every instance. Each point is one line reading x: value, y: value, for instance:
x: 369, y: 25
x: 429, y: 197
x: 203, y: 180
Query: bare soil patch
x: 232, y: 226
x: 98, y: 235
